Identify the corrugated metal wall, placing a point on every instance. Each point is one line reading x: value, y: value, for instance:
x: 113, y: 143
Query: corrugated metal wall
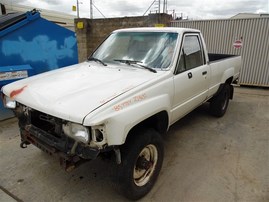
x: 220, y: 36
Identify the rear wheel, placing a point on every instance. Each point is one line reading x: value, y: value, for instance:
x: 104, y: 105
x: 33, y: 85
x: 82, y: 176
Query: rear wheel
x: 142, y: 157
x: 220, y: 102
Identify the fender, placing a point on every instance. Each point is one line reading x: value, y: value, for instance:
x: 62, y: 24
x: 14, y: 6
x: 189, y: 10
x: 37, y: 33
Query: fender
x: 227, y: 74
x: 118, y: 124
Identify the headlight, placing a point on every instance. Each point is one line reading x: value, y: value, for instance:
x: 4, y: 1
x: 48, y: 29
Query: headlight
x: 76, y: 131
x: 9, y: 102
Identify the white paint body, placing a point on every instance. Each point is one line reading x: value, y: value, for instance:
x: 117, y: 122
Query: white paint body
x: 118, y: 97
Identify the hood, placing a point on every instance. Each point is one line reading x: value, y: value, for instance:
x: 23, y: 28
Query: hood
x: 73, y: 92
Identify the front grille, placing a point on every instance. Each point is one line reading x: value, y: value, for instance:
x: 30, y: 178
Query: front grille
x: 47, y: 123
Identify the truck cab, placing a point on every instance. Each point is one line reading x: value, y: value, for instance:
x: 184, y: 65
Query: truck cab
x: 128, y: 93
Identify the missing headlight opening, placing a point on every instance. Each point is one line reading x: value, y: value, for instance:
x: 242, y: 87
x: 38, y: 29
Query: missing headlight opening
x: 98, y: 135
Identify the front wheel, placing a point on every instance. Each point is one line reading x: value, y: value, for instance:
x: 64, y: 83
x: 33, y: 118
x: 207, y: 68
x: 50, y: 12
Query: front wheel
x: 142, y: 157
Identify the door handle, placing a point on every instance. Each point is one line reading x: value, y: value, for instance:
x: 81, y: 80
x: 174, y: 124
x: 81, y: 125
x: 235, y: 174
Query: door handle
x: 204, y: 73
x: 190, y: 75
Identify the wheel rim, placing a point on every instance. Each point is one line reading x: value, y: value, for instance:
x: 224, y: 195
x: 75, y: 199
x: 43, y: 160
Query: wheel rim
x: 145, y: 165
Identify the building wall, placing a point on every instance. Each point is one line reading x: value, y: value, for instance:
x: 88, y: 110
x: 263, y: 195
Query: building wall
x: 93, y: 31
x: 220, y: 36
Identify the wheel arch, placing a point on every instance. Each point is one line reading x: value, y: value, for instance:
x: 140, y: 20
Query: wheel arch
x: 227, y: 82
x: 158, y: 121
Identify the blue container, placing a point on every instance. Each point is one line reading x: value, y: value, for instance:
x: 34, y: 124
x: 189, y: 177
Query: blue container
x: 31, y: 45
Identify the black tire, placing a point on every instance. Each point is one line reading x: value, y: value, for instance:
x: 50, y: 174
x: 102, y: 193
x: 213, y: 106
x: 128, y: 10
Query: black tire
x: 142, y: 157
x: 220, y: 102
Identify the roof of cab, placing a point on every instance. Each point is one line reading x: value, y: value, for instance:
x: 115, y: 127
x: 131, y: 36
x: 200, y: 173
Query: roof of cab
x: 158, y: 29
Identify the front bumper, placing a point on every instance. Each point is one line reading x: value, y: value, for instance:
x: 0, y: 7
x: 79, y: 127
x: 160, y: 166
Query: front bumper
x: 51, y: 144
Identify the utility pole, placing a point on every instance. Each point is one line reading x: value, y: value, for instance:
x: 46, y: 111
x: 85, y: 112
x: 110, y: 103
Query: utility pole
x: 157, y: 6
x: 77, y: 9
x: 91, y: 11
x: 164, y: 6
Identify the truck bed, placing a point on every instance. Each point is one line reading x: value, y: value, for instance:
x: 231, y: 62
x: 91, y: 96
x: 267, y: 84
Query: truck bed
x: 222, y: 65
x: 215, y: 56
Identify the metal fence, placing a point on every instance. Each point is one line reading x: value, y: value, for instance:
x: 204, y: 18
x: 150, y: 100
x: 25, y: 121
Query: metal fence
x: 224, y: 36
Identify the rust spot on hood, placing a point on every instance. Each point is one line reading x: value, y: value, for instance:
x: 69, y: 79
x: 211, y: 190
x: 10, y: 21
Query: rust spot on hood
x: 16, y: 92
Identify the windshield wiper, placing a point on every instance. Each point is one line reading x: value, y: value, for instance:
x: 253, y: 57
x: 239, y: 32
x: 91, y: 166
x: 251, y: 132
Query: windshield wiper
x: 130, y: 62
x: 96, y: 60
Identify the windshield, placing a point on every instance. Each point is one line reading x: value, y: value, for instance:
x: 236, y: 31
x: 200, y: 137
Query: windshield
x: 152, y: 49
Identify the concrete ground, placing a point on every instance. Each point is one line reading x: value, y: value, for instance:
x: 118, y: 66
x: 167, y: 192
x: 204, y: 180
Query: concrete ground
x: 206, y: 159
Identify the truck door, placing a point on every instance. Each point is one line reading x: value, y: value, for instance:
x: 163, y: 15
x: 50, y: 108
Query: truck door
x: 191, y: 78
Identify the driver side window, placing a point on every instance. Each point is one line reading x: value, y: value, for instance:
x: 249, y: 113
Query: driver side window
x: 191, y: 55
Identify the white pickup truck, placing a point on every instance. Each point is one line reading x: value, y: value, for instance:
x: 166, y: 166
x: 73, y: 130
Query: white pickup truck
x: 134, y: 86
